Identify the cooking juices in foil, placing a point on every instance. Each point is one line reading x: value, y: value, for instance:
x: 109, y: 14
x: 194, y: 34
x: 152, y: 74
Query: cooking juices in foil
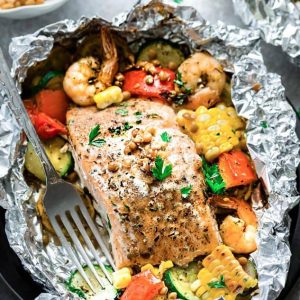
x: 271, y: 136
x: 278, y: 21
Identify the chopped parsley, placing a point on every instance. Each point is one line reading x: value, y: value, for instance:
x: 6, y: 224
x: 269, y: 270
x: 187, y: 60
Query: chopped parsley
x: 178, y: 1
x: 125, y: 104
x: 161, y: 172
x: 165, y: 137
x: 122, y: 111
x: 92, y: 137
x: 127, y: 126
x: 138, y: 114
x: 264, y: 124
x: 185, y: 191
x: 213, y: 177
x: 218, y: 284
x: 118, y: 129
x: 181, y: 84
x: 180, y: 99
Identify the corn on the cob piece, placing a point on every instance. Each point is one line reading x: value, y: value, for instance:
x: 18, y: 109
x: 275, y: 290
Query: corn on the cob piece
x: 222, y: 262
x: 215, y: 130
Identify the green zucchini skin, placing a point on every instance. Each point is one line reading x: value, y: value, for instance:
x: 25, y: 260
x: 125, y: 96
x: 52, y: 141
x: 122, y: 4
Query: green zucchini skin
x: 45, y: 80
x: 179, y: 280
x: 166, y: 53
x: 77, y: 285
x: 62, y: 162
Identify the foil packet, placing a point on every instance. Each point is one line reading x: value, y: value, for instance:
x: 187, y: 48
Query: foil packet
x: 277, y: 20
x: 274, y: 148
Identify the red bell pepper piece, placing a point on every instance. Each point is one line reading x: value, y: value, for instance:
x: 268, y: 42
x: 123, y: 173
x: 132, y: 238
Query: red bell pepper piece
x: 135, y: 83
x: 53, y: 103
x: 235, y: 169
x: 143, y: 286
x: 45, y: 126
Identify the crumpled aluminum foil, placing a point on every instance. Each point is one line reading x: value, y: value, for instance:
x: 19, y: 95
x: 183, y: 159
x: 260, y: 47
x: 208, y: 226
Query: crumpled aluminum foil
x: 277, y: 20
x: 275, y: 149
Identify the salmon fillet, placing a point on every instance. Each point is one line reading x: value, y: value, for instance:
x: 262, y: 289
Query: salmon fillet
x: 150, y: 219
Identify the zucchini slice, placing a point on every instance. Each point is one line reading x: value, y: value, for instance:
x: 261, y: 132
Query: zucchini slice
x: 250, y: 269
x: 168, y: 55
x: 52, y: 80
x: 62, y: 162
x: 179, y: 280
x: 77, y: 285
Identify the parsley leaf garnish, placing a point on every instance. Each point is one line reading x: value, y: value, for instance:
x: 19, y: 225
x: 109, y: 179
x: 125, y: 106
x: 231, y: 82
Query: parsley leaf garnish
x: 121, y: 111
x: 218, y: 284
x: 127, y: 126
x: 92, y: 137
x: 98, y: 143
x: 94, y: 133
x: 178, y: 1
x: 213, y: 177
x: 264, y: 124
x: 165, y: 137
x: 185, y: 191
x: 138, y: 114
x: 181, y: 84
x: 159, y: 171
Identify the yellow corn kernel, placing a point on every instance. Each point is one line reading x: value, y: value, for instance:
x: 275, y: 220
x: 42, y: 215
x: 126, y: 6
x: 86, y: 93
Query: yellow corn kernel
x: 212, y: 153
x: 108, y: 97
x: 121, y: 278
x: 225, y: 147
x: 216, y: 126
x: 201, y: 291
x: 150, y: 267
x: 164, y: 266
x: 195, y: 285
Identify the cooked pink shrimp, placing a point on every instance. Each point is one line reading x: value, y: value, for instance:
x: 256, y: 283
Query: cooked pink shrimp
x: 87, y: 76
x: 239, y: 233
x: 204, y: 75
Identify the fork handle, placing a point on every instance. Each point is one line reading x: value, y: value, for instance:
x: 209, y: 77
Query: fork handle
x: 16, y: 105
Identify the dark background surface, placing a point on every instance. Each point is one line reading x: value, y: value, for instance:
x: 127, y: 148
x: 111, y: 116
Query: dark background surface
x: 275, y: 60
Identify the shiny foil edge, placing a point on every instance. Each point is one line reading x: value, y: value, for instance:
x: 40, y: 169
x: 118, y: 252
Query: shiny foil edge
x: 277, y: 20
x: 234, y: 47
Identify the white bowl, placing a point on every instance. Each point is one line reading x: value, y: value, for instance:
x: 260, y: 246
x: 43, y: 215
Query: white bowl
x: 31, y: 11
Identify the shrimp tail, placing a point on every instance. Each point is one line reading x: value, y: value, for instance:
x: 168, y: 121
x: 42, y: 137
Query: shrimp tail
x: 110, y: 66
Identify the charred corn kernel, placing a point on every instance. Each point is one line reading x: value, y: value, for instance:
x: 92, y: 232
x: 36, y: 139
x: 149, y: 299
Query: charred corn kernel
x: 121, y: 278
x: 108, y: 97
x: 154, y: 270
x: 164, y: 266
x: 217, y: 127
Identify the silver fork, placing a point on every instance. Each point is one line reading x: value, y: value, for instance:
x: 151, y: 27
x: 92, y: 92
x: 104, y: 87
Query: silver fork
x: 61, y: 199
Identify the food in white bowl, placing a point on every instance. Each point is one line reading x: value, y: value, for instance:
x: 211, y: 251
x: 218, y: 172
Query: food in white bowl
x: 26, y: 9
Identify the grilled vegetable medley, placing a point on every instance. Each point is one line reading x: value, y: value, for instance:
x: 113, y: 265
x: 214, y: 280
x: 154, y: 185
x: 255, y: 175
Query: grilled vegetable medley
x: 159, y: 147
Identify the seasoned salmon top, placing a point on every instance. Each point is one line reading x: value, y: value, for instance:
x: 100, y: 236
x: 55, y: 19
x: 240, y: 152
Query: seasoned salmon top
x: 144, y: 173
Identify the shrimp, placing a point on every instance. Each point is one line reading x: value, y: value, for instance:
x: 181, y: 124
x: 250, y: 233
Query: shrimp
x: 204, y: 75
x: 239, y: 233
x: 87, y: 77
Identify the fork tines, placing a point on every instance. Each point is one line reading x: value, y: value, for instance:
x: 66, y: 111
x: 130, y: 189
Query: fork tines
x: 68, y: 219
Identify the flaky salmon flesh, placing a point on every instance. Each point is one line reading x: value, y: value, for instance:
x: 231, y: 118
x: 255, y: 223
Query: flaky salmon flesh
x: 151, y: 220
